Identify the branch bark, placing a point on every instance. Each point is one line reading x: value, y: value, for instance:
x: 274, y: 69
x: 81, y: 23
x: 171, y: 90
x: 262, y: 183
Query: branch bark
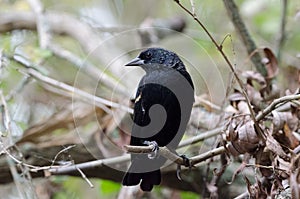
x: 164, y: 151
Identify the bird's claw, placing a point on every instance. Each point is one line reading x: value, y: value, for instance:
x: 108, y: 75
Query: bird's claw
x: 186, y: 163
x: 155, y: 149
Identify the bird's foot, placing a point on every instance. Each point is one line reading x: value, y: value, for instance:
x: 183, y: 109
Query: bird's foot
x: 186, y: 163
x: 155, y: 149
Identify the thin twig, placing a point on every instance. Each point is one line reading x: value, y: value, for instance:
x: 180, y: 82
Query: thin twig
x: 25, y: 80
x: 23, y: 185
x: 241, y: 29
x: 88, y: 68
x: 275, y: 104
x: 242, y: 196
x: 60, y: 152
x: 6, y: 119
x: 207, y: 103
x: 135, y: 149
x: 41, y: 22
x: 98, y: 101
x: 85, y: 178
x: 91, y: 164
x: 201, y: 137
x: 273, y: 168
x: 19, y: 180
x: 220, y: 49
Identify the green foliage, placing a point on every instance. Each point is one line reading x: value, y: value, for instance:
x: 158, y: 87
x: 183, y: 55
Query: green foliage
x: 189, y: 195
x: 268, y: 23
x: 77, y: 188
x: 71, y: 188
x: 108, y: 189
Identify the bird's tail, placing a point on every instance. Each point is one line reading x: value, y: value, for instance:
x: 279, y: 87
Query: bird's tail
x: 149, y: 179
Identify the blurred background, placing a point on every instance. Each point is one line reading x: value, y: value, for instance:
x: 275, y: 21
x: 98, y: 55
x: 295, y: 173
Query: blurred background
x: 60, y: 61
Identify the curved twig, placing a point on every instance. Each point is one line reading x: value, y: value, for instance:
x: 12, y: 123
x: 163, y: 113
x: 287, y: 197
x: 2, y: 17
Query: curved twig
x: 275, y: 104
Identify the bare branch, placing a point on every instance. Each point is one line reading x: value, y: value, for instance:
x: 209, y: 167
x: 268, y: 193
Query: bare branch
x: 164, y: 151
x: 6, y: 119
x: 220, y: 49
x: 242, y: 196
x: 275, y: 104
x: 201, y: 137
x: 146, y: 149
x: 85, y: 178
x: 41, y: 21
x: 60, y: 152
x: 62, y: 23
x: 88, y: 68
x: 80, y: 94
x: 19, y: 179
x: 91, y: 164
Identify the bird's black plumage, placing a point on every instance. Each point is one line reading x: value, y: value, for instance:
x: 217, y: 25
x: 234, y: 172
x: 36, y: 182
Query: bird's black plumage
x: 162, y: 109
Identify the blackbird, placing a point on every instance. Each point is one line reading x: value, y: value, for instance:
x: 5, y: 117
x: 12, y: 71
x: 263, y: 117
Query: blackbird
x: 162, y: 108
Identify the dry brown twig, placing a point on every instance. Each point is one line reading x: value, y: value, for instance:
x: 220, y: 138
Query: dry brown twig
x: 220, y: 49
x: 139, y: 149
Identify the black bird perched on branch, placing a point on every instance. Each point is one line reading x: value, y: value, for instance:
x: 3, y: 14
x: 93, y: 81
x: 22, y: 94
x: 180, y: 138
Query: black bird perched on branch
x: 163, y: 105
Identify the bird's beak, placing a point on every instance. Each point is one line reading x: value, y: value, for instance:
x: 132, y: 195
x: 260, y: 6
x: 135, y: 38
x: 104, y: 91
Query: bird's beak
x: 135, y: 62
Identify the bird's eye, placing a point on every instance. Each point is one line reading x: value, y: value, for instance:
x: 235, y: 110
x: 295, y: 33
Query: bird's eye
x: 148, y: 55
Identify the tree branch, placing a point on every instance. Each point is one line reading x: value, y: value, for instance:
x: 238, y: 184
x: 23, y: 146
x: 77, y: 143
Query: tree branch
x: 202, y: 136
x: 80, y: 94
x: 65, y: 24
x: 164, y: 151
x: 41, y: 23
x: 220, y: 49
x: 89, y: 165
x: 88, y: 68
x: 275, y: 104
x: 242, y: 31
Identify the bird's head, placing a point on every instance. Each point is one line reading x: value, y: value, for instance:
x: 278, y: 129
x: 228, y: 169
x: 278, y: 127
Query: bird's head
x: 157, y: 59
